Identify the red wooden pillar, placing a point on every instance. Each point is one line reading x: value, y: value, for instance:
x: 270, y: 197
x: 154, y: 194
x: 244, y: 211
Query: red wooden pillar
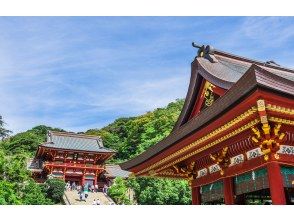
x: 83, y: 179
x: 196, y: 197
x: 229, y: 191
x: 95, y: 180
x: 276, y: 184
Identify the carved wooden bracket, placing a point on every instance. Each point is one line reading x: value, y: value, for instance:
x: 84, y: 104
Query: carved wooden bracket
x: 188, y: 170
x: 222, y: 159
x: 267, y: 137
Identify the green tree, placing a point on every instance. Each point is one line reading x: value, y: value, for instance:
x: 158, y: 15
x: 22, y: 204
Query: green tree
x: 159, y: 191
x: 118, y: 192
x: 3, y: 132
x: 8, y: 194
x: 54, y: 189
x: 26, y: 142
x: 32, y: 194
x: 130, y: 137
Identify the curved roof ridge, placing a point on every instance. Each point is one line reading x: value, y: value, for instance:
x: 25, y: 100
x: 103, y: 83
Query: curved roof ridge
x: 248, y: 82
x: 73, y: 134
x: 253, y: 61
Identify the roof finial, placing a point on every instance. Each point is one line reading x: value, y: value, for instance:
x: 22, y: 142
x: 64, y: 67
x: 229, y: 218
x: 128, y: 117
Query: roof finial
x: 205, y: 52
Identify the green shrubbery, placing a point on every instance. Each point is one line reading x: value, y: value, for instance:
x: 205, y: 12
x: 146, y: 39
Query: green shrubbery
x: 16, y: 185
x: 128, y: 136
x: 54, y: 189
x: 118, y: 192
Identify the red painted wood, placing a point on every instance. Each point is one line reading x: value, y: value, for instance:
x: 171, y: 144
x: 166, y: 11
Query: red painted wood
x: 229, y: 191
x: 219, y: 91
x: 196, y: 196
x: 275, y: 179
x: 71, y: 165
x: 199, y: 101
x: 83, y: 179
x: 237, y: 110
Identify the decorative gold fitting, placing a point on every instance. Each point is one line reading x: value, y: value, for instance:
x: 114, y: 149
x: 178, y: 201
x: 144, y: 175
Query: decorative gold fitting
x: 208, y: 93
x: 282, y: 135
x: 263, y: 119
x: 277, y: 156
x: 266, y: 151
x: 254, y: 139
x: 266, y: 157
x: 256, y: 132
x: 222, y: 172
x: 277, y: 129
x: 260, y: 105
x: 266, y: 129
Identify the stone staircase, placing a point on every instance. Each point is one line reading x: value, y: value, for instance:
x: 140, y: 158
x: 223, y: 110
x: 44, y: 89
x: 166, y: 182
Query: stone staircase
x: 72, y: 198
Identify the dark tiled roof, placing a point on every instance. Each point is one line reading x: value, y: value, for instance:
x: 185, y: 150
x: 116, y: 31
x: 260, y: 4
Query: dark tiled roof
x: 116, y: 171
x: 238, y: 75
x: 231, y: 68
x: 72, y: 141
x: 225, y: 69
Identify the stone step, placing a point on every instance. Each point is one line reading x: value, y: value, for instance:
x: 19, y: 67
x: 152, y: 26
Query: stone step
x: 74, y: 198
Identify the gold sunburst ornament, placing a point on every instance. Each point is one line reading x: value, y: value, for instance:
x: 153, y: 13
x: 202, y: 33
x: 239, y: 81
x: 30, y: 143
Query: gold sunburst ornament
x: 268, y: 136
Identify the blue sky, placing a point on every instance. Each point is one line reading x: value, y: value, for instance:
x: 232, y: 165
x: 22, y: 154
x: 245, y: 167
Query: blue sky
x: 78, y: 73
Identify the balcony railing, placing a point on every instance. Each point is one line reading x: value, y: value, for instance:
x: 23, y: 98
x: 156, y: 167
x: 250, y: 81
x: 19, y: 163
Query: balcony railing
x: 72, y: 165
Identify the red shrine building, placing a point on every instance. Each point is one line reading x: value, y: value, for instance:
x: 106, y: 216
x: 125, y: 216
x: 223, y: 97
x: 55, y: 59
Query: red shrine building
x: 73, y: 157
x: 234, y: 139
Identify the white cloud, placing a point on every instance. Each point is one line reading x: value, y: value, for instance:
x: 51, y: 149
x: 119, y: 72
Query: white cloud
x: 80, y: 73
x: 38, y: 87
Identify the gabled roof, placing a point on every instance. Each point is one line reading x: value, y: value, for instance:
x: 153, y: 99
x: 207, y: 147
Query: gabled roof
x: 73, y: 141
x: 115, y: 171
x: 224, y: 73
x: 239, y: 75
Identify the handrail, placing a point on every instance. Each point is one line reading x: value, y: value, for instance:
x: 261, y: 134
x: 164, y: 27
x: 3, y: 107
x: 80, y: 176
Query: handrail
x: 67, y: 200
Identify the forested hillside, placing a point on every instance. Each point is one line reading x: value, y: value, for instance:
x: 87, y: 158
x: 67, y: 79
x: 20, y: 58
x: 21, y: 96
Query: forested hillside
x: 128, y: 136
x: 16, y: 184
x: 131, y: 136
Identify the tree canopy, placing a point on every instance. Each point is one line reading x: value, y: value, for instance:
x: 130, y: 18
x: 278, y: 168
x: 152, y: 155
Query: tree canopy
x: 130, y: 137
x: 16, y: 185
x: 127, y: 136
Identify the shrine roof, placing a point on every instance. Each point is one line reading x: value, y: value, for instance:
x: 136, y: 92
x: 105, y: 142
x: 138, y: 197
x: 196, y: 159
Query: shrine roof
x: 228, y: 68
x: 238, y: 75
x: 116, y: 171
x: 73, y: 141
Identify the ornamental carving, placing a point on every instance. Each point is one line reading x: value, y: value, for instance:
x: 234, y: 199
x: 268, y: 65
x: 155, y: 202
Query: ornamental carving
x: 208, y: 93
x: 267, y: 136
x: 221, y: 158
x: 188, y: 170
x: 237, y: 160
x: 284, y: 149
x: 202, y: 172
x: 214, y: 168
x: 253, y: 153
